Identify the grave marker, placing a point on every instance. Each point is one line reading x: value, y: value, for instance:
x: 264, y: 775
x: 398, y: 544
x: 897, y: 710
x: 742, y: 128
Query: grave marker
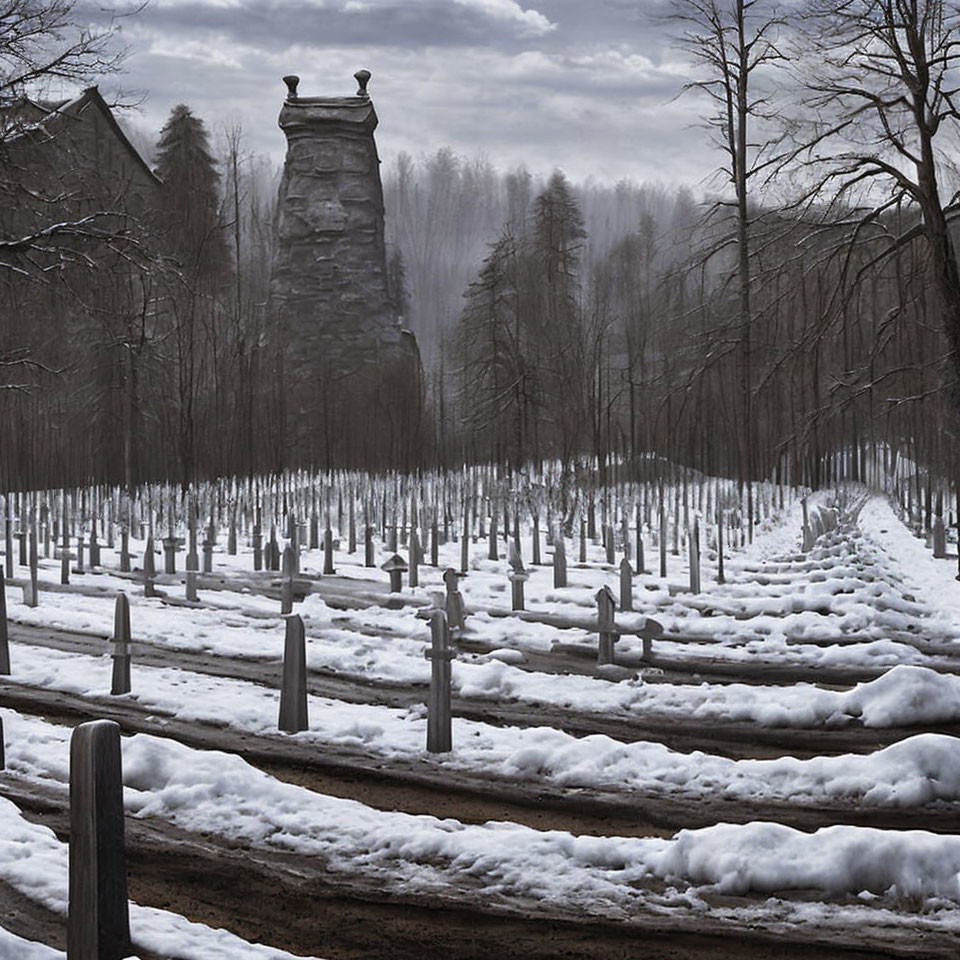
x: 98, y: 925
x: 606, y: 605
x: 293, y: 687
x: 626, y: 585
x: 4, y: 639
x: 121, y: 646
x: 456, y: 618
x: 396, y: 566
x: 439, y: 723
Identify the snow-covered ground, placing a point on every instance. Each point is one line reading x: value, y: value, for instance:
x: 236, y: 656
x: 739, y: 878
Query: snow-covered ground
x: 868, y: 595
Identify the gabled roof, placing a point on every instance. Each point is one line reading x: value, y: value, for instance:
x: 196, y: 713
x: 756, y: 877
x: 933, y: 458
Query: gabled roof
x: 35, y: 115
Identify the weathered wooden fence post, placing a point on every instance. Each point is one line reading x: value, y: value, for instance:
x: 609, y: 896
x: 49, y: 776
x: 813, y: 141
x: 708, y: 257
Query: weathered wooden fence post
x: 257, y: 542
x: 369, y: 559
x: 124, y: 549
x: 626, y: 585
x: 31, y: 593
x: 209, y: 541
x: 465, y: 538
x: 559, y: 560
x: 606, y: 606
x: 455, y: 609
x: 121, y: 646
x: 662, y: 538
x: 94, y: 546
x: 4, y: 638
x: 98, y: 924
x: 65, y: 548
x: 414, y: 578
x: 149, y: 570
x: 328, y: 567
x: 695, y: 556
x: 286, y: 586
x: 439, y: 723
x: 939, y: 538
x: 293, y: 688
x: 518, y: 576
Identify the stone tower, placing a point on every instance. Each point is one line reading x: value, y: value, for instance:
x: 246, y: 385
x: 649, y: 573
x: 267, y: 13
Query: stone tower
x: 350, y: 369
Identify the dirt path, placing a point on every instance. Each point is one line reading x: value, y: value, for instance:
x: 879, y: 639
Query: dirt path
x: 422, y: 784
x: 734, y: 740
x: 300, y: 904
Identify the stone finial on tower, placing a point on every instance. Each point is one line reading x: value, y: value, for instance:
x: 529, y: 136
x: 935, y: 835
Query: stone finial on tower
x: 291, y: 81
x: 363, y: 78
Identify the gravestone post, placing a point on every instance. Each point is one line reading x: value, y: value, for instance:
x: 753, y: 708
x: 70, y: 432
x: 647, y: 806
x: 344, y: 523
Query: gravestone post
x: 583, y: 540
x: 414, y: 577
x: 65, y: 548
x: 149, y: 570
x: 286, y: 587
x: 626, y: 585
x: 396, y: 566
x: 98, y: 925
x: 610, y: 543
x: 293, y: 688
x: 559, y: 560
x: 121, y: 646
x: 535, y: 539
x: 4, y: 638
x: 368, y: 553
x: 328, y: 567
x: 606, y: 605
x: 439, y: 723
x: 94, y: 546
x: 695, y: 556
x: 33, y: 596
x: 257, y: 542
x: 455, y: 610
x: 465, y: 538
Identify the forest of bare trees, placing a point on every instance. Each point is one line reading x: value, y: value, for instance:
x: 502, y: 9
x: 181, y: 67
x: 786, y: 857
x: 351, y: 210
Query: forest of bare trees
x: 804, y: 305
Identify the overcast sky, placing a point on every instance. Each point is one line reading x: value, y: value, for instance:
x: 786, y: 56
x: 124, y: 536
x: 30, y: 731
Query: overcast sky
x: 589, y: 86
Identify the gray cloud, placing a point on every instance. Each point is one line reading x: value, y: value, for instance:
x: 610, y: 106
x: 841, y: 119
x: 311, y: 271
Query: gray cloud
x: 589, y: 87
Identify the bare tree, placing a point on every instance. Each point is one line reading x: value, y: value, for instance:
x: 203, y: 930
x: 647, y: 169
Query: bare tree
x: 881, y: 77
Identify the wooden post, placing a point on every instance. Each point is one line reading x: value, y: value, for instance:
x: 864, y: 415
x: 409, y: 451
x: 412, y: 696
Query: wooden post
x: 455, y: 610
x: 939, y: 538
x: 328, y: 567
x: 583, y: 540
x: 535, y: 539
x: 65, y: 548
x: 368, y: 554
x: 32, y: 596
x: 170, y: 554
x: 720, y: 576
x: 124, y: 550
x: 439, y: 723
x: 610, y: 543
x: 293, y: 688
x: 8, y: 531
x: 695, y: 556
x: 626, y: 585
x: 492, y: 553
x: 434, y: 544
x: 662, y: 537
x: 257, y: 543
x: 98, y: 925
x: 286, y: 587
x: 414, y: 577
x: 606, y: 606
x: 517, y: 580
x: 94, y: 546
x: 232, y: 535
x: 4, y: 639
x: 149, y: 570
x: 273, y: 549
x: 465, y: 538
x: 121, y: 646
x: 209, y: 542
x: 559, y: 560
x: 351, y: 526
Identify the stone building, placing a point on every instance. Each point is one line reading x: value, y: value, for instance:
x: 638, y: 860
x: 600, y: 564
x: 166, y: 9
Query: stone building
x: 352, y: 373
